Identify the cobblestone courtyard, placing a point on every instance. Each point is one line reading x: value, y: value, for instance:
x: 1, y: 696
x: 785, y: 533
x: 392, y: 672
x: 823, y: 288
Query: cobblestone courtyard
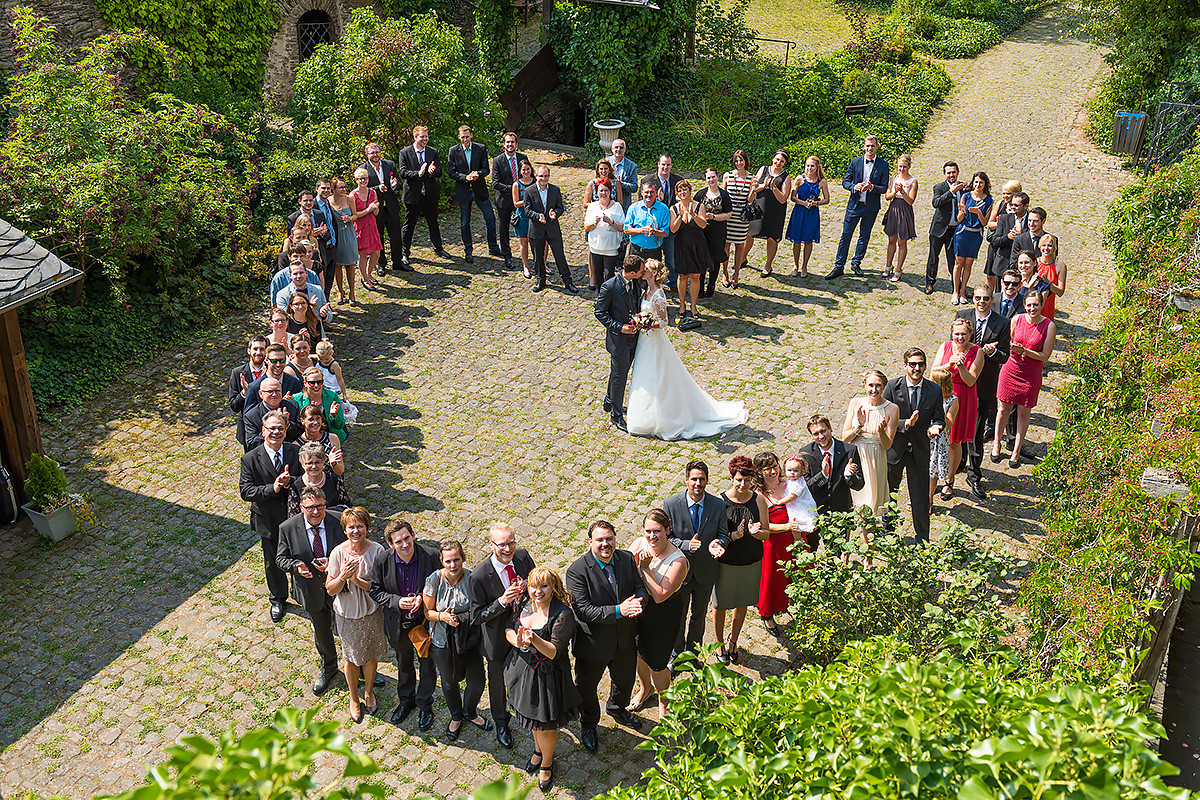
x: 480, y: 401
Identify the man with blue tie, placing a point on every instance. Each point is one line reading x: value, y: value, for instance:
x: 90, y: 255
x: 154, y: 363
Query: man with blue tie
x: 866, y: 179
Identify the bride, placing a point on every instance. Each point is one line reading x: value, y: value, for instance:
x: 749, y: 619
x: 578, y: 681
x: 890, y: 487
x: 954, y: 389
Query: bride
x: 664, y: 400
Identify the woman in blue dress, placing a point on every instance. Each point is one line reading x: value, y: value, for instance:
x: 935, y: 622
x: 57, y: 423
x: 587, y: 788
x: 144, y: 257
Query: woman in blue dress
x: 973, y: 212
x: 524, y: 181
x: 804, y: 228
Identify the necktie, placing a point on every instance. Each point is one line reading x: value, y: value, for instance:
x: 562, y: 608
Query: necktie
x: 276, y: 460
x: 827, y: 464
x: 978, y: 330
x: 610, y: 573
x: 420, y: 157
x: 328, y: 212
x: 257, y: 373
x: 318, y: 548
x: 1004, y: 306
x: 696, y: 509
x: 511, y: 573
x: 512, y: 165
x: 914, y: 393
x: 664, y: 189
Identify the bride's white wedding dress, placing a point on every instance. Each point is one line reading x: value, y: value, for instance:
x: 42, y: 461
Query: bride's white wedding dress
x: 664, y: 400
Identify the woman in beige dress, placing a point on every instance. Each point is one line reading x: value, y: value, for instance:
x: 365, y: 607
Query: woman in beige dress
x: 359, y: 619
x: 871, y: 424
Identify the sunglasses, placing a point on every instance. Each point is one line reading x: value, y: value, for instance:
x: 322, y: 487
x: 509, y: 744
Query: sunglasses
x: 277, y: 360
x: 983, y: 299
x: 1012, y: 283
x: 916, y: 364
x: 313, y: 383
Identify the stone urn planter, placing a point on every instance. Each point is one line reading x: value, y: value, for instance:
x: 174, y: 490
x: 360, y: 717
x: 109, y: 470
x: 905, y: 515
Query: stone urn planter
x: 610, y: 131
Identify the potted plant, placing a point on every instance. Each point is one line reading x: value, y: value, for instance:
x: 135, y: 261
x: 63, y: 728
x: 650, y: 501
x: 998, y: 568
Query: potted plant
x: 51, y: 508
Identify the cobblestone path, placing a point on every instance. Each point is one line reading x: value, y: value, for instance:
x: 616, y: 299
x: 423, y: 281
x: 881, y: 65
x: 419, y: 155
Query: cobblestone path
x: 480, y: 401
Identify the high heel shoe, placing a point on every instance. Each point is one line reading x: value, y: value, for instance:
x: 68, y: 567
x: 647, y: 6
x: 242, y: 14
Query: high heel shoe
x: 532, y: 767
x: 545, y: 784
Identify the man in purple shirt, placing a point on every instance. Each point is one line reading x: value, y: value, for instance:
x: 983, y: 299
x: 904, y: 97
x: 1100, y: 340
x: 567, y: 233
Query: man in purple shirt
x: 396, y: 584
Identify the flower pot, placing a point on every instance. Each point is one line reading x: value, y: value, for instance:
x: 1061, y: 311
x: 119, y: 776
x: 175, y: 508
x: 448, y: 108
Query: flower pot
x: 57, y: 525
x: 610, y: 131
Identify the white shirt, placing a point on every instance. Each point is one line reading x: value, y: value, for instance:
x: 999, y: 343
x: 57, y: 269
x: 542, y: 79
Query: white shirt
x: 272, y: 453
x: 378, y: 171
x: 501, y: 570
x: 868, y: 168
x: 604, y: 239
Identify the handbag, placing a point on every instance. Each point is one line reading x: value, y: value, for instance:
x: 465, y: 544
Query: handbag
x: 515, y: 219
x: 754, y: 211
x: 421, y: 640
x: 467, y: 636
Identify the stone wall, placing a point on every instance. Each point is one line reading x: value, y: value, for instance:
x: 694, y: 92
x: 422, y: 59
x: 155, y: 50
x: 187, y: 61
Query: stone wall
x: 283, y: 56
x: 77, y: 21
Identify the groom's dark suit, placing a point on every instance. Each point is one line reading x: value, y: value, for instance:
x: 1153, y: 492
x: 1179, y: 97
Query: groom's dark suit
x: 615, y: 307
x: 910, y: 448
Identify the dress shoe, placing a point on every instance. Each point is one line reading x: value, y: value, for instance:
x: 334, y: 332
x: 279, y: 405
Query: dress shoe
x: 382, y: 268
x: 452, y: 734
x: 572, y: 288
x: 321, y: 684
x: 607, y: 406
x: 548, y: 782
x: 510, y: 264
x: 495, y: 252
x: 587, y: 737
x: 425, y: 719
x: 379, y: 682
x: 627, y: 719
x: 440, y: 253
x: 858, y: 271
x: 405, y: 266
x: 618, y: 422
x: 470, y: 259
x: 976, y: 490
x: 276, y: 612
x: 504, y: 735
x: 929, y: 288
x: 401, y: 711
x: 539, y: 286
x: 837, y: 272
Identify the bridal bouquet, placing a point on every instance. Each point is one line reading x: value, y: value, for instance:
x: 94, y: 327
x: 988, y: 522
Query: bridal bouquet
x: 643, y: 321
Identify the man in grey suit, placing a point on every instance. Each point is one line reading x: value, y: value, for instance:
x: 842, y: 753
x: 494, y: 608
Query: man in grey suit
x: 941, y: 227
x: 921, y: 417
x: 697, y: 522
x: 506, y: 171
x: 543, y: 207
x: 305, y: 542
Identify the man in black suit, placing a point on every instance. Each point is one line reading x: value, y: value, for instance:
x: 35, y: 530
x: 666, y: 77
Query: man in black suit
x: 1008, y: 227
x: 244, y: 375
x: 276, y: 364
x: 419, y: 167
x: 305, y: 542
x: 1007, y: 301
x: 396, y: 585
x: 307, y: 202
x: 834, y: 468
x: 866, y: 180
x: 921, y: 416
x: 1028, y: 239
x: 506, y: 171
x: 266, y: 474
x: 665, y: 182
x: 543, y: 207
x: 619, y: 299
x: 493, y: 588
x: 606, y: 596
x: 941, y: 227
x: 383, y: 178
x: 697, y: 522
x: 271, y: 399
x: 469, y: 170
x: 991, y: 332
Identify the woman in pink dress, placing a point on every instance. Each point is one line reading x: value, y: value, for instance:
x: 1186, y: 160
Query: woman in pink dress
x: 365, y: 206
x: 1021, y: 376
x: 772, y: 587
x: 965, y: 363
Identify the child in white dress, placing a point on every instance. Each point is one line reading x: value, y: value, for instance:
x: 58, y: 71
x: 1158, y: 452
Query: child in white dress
x: 799, y: 501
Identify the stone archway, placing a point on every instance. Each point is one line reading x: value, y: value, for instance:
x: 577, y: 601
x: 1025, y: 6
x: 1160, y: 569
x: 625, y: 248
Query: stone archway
x: 284, y: 54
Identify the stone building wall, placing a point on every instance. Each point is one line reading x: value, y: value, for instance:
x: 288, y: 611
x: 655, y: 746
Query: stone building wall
x: 77, y: 21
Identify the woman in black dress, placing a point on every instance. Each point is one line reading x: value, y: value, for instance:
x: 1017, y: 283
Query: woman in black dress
x: 774, y: 185
x: 737, y: 583
x: 663, y: 569
x: 302, y: 318
x: 718, y: 208
x: 537, y: 674
x: 691, y: 248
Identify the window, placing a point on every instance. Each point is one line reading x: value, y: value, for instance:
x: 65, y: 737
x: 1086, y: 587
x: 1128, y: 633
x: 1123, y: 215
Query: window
x: 314, y: 28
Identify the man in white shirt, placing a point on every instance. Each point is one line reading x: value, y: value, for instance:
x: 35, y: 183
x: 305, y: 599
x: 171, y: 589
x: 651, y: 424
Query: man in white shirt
x: 469, y: 169
x: 383, y: 178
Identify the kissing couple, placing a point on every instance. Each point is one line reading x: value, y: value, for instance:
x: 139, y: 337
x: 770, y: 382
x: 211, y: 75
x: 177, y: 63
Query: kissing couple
x: 664, y: 400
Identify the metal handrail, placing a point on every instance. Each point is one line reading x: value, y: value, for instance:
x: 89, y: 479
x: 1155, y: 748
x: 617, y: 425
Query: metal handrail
x: 788, y: 44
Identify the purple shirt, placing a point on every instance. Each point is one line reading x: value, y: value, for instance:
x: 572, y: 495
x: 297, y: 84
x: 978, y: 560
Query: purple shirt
x: 408, y: 580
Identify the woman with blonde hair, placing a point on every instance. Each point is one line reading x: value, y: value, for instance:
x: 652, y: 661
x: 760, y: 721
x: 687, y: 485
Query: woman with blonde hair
x: 899, y: 222
x: 345, y: 255
x: 804, y: 228
x: 365, y: 207
x: 871, y: 422
x: 663, y: 569
x: 537, y: 676
x: 1053, y: 271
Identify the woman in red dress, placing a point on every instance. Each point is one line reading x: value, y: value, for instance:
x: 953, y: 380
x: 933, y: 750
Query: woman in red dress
x: 1021, y: 376
x: 1052, y: 270
x: 365, y: 207
x: 772, y: 588
x: 965, y: 364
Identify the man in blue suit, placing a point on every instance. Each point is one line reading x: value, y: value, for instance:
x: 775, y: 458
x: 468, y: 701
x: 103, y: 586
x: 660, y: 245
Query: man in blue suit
x: 866, y: 179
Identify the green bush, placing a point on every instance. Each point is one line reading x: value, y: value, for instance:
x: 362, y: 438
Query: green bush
x: 956, y: 28
x: 384, y: 77
x: 46, y: 485
x: 927, y: 27
x: 1109, y: 546
x: 919, y: 594
x: 888, y: 723
x: 150, y: 198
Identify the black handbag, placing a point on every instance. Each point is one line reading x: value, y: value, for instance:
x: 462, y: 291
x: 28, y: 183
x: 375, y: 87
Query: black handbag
x: 752, y: 211
x: 467, y: 636
x: 515, y: 220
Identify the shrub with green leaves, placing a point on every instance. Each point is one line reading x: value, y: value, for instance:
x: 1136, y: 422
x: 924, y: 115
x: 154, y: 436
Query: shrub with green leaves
x: 955, y: 28
x: 921, y: 594
x: 885, y: 722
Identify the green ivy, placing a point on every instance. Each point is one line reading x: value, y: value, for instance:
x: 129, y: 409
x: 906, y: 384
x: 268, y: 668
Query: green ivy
x: 229, y: 36
x: 495, y: 21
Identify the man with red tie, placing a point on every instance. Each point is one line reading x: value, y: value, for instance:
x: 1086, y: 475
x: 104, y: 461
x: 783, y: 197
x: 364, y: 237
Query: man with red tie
x: 305, y: 542
x: 834, y: 467
x: 494, y: 588
x: 506, y: 169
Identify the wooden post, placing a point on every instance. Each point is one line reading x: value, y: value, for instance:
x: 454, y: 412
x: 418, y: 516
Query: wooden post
x: 18, y: 414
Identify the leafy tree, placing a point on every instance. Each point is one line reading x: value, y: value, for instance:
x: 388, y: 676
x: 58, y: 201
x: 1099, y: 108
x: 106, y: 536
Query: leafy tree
x: 385, y: 76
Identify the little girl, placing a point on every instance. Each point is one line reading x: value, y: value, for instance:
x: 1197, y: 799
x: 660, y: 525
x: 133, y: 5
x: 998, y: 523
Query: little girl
x: 331, y: 371
x: 799, y: 501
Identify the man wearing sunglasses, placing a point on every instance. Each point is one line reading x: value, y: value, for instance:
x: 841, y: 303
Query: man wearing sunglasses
x: 991, y: 332
x: 1007, y: 301
x: 921, y: 417
x: 276, y: 362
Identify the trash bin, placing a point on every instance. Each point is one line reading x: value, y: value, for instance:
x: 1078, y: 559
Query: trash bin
x: 1129, y: 129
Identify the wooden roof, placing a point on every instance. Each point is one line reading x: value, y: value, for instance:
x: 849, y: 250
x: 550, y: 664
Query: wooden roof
x: 28, y: 270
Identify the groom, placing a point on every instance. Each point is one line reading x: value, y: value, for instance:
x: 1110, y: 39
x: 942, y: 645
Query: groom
x: 619, y: 299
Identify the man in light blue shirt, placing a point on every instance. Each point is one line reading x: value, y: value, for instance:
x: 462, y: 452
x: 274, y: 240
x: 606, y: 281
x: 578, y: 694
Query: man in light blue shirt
x: 299, y: 275
x: 648, y: 223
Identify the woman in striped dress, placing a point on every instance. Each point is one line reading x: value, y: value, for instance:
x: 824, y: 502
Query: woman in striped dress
x: 739, y: 183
